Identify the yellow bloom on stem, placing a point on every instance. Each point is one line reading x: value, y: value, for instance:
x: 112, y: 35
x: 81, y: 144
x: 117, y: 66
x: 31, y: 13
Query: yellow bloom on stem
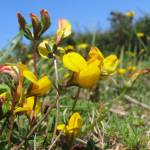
x: 44, y: 84
x: 39, y: 87
x: 64, y: 29
x: 139, y: 34
x: 95, y: 54
x: 130, y: 14
x: 28, y: 106
x: 43, y: 51
x: 108, y: 64
x: 73, y: 127
x: 86, y: 74
x: 121, y: 71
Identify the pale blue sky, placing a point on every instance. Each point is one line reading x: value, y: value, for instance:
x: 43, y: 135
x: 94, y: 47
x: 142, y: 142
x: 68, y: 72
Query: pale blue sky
x: 81, y: 13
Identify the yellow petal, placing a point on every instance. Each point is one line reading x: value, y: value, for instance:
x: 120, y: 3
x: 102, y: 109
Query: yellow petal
x: 61, y: 127
x: 89, y: 76
x: 74, y: 61
x: 64, y: 28
x: 28, y: 106
x: 121, y: 71
x: 95, y: 53
x: 110, y: 64
x: 43, y: 50
x: 75, y: 122
x: 27, y: 73
x: 44, y: 85
x: 30, y: 76
x: 82, y: 46
x: 22, y: 109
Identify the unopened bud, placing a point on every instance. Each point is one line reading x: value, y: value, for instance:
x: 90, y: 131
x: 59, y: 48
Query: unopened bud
x: 45, y: 20
x: 36, y: 26
x: 22, y: 21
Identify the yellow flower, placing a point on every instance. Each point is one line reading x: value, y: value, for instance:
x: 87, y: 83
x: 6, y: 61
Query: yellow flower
x: 130, y: 14
x: 39, y: 87
x: 139, y: 34
x: 86, y: 74
x: 132, y: 68
x: 108, y: 64
x: 95, y: 54
x: 64, y: 29
x: 82, y: 46
x: 74, y: 125
x: 28, y: 106
x: 43, y: 51
x: 44, y: 84
x: 121, y: 71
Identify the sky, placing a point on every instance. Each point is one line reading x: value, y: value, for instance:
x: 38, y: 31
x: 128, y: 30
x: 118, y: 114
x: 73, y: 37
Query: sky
x: 83, y: 14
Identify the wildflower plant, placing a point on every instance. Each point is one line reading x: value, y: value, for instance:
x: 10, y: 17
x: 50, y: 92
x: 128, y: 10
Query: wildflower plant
x: 34, y: 93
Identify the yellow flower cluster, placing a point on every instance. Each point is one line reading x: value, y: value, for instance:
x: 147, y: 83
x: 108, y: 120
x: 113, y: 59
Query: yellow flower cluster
x: 38, y: 88
x: 88, y: 73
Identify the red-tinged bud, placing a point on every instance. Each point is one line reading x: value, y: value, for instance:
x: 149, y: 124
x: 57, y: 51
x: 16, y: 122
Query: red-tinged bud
x: 9, y: 69
x: 37, y: 27
x: 21, y: 21
x: 45, y: 20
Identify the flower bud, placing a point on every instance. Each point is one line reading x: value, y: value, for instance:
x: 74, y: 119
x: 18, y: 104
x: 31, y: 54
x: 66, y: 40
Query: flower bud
x: 45, y: 20
x: 36, y: 26
x: 22, y: 21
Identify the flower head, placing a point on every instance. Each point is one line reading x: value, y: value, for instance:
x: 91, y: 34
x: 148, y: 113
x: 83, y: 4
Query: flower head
x: 108, y: 65
x: 39, y: 87
x: 85, y: 74
x: 74, y: 125
x: 64, y: 29
x: 28, y: 106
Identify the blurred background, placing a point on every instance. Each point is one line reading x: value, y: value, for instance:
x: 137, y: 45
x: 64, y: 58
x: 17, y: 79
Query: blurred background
x: 84, y: 15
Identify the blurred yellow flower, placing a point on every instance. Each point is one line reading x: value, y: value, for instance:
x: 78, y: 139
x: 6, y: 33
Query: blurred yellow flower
x: 121, y: 71
x: 73, y: 127
x: 139, y: 34
x: 130, y: 14
x: 86, y: 74
x: 28, y: 106
x: 82, y: 46
x: 69, y: 47
x: 132, y: 68
x: 64, y: 29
